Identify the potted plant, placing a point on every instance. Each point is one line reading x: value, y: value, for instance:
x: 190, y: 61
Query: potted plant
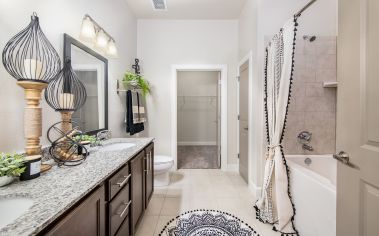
x: 11, y: 166
x: 134, y: 81
x: 85, y: 139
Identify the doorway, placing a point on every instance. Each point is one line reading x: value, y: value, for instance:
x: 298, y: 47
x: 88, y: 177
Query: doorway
x: 198, y: 119
x: 199, y: 111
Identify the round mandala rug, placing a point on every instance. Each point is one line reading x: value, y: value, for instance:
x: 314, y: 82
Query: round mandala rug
x: 207, y: 223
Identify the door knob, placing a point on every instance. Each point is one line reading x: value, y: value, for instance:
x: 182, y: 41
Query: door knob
x: 246, y: 128
x: 344, y: 158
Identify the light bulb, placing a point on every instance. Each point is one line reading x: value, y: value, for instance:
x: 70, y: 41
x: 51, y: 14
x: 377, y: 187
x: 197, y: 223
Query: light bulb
x: 66, y: 101
x: 112, y: 49
x: 102, y: 40
x: 87, y: 32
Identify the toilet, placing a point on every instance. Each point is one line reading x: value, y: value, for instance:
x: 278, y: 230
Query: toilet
x: 162, y: 166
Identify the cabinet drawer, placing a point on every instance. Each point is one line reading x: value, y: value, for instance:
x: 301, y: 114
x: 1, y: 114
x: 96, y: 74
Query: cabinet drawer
x: 124, y: 229
x: 118, y: 181
x: 119, y: 209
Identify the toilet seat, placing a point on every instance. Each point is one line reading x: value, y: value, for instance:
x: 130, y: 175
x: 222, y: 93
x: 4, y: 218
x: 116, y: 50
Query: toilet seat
x: 158, y: 159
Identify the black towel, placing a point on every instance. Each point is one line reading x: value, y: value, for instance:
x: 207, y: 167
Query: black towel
x: 131, y: 127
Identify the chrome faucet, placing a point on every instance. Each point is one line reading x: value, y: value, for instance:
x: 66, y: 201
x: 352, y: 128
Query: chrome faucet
x: 307, y: 147
x: 304, y: 138
x: 102, y: 136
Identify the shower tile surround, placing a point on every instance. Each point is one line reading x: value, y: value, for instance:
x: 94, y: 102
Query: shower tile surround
x: 313, y: 107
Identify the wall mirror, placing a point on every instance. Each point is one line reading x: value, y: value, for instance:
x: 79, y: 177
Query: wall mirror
x: 92, y: 70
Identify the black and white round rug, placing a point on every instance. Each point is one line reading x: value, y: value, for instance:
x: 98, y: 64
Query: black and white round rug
x: 207, y: 223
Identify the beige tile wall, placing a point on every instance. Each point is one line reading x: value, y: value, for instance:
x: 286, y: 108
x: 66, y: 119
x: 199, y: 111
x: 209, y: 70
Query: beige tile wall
x: 313, y: 107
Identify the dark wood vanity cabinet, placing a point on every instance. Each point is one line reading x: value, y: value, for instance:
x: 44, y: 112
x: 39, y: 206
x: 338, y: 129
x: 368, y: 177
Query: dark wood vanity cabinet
x: 138, y: 191
x: 149, y: 173
x: 87, y: 218
x: 142, y: 183
x: 114, y: 208
x: 118, y: 200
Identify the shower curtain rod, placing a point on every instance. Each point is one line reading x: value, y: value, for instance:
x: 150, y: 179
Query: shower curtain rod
x: 304, y: 8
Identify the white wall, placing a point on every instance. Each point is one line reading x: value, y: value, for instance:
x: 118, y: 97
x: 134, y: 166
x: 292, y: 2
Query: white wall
x: 319, y: 19
x: 162, y: 43
x: 197, y: 107
x: 247, y: 38
x: 56, y: 18
x: 259, y: 20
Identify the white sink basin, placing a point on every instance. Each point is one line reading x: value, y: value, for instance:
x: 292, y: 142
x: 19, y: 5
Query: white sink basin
x: 117, y: 146
x: 12, y: 208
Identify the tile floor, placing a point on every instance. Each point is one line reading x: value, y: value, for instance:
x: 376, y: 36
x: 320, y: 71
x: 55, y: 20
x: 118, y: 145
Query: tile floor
x: 198, y: 189
x: 197, y: 157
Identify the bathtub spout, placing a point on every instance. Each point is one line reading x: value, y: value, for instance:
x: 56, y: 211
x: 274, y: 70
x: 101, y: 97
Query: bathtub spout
x: 307, y: 147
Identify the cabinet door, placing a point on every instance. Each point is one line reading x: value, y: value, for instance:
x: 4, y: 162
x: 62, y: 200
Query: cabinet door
x: 137, y: 188
x: 149, y: 173
x: 88, y: 218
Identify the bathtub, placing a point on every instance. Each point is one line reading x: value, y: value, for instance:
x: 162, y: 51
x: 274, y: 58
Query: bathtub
x: 313, y: 189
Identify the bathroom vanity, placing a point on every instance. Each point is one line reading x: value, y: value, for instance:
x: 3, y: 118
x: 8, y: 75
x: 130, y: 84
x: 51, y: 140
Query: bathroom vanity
x: 106, y: 195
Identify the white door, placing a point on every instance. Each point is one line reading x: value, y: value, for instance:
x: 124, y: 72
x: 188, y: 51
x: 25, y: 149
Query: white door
x: 358, y: 118
x: 219, y: 121
x: 244, y: 121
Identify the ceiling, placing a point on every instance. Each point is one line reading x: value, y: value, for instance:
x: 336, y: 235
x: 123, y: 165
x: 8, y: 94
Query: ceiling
x: 188, y: 9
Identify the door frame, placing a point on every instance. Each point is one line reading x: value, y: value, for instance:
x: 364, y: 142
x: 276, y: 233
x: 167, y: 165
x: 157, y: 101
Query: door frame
x: 223, y: 68
x: 247, y: 58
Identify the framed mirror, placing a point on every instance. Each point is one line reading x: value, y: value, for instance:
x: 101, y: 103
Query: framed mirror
x: 92, y: 70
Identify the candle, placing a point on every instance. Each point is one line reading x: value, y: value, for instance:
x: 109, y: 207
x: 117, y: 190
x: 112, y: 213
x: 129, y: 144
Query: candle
x: 33, y: 69
x: 66, y: 101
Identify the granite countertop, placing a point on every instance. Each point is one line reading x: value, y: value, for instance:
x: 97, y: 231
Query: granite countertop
x: 57, y: 190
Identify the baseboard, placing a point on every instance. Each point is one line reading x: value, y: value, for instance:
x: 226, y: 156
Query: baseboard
x: 255, y: 189
x: 211, y: 143
x: 232, y: 167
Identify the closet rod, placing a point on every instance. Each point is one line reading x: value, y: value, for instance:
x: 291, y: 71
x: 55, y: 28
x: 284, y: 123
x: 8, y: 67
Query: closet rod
x: 305, y: 8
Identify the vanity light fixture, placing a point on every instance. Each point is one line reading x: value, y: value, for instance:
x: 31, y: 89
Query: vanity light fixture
x: 92, y: 32
x: 30, y: 58
x: 87, y: 32
x: 112, y: 49
x: 66, y: 94
x: 102, y: 40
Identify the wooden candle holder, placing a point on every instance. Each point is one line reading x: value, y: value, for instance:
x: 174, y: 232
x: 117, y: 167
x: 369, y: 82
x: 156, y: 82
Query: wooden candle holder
x: 32, y: 115
x: 66, y: 121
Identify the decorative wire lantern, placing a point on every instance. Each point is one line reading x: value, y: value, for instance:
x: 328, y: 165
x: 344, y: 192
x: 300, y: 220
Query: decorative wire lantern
x: 29, y: 56
x: 66, y: 94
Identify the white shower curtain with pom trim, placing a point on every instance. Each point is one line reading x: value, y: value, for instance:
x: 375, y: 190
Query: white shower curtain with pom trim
x: 275, y: 204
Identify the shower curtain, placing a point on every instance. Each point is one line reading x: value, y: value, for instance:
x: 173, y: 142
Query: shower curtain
x: 275, y: 206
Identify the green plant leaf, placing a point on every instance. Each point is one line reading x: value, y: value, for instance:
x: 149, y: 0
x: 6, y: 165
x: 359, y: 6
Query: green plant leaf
x: 131, y: 79
x: 11, y: 164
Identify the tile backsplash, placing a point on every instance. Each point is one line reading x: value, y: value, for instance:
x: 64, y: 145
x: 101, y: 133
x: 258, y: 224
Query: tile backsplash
x: 313, y: 107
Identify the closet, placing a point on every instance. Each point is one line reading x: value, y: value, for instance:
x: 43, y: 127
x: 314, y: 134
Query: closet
x: 198, y: 111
